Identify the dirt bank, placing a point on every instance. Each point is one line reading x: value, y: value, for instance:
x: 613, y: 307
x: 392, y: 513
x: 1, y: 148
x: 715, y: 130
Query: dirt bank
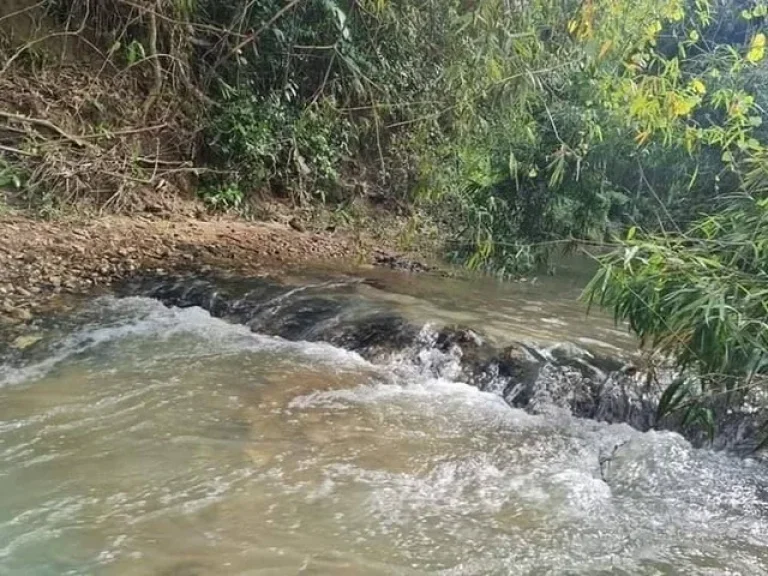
x: 40, y: 262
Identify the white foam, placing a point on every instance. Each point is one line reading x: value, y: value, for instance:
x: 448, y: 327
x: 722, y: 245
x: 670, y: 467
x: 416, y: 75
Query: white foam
x: 146, y: 318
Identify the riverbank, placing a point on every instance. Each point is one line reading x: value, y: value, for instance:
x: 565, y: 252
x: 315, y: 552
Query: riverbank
x: 43, y: 261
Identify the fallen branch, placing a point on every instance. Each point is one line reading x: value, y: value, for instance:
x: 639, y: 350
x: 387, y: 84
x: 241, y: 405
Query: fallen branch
x: 46, y: 124
x: 159, y: 162
x: 126, y: 132
x: 16, y: 151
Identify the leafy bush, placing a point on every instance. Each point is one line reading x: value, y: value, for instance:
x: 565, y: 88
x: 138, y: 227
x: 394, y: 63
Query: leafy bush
x: 319, y: 140
x: 11, y: 175
x: 269, y: 141
x: 221, y: 196
x: 247, y: 135
x: 700, y: 298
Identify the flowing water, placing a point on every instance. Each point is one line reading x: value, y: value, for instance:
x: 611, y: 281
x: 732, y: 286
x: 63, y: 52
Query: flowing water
x: 148, y: 440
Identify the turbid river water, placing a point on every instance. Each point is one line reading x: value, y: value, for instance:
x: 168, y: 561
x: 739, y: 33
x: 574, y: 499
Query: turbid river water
x: 140, y: 439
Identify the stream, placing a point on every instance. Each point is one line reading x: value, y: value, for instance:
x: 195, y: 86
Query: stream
x: 273, y: 435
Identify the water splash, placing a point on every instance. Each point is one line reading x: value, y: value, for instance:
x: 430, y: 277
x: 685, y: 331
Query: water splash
x: 162, y: 440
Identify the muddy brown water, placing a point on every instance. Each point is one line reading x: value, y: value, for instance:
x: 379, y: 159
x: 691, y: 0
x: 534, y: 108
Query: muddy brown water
x: 161, y: 441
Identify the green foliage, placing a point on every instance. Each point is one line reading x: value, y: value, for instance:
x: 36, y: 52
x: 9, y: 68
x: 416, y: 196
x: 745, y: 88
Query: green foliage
x: 696, y: 291
x: 700, y: 298
x: 246, y: 135
x: 318, y: 142
x: 11, y: 175
x: 268, y: 141
x: 521, y: 129
x: 637, y: 116
x: 226, y: 196
x: 134, y: 52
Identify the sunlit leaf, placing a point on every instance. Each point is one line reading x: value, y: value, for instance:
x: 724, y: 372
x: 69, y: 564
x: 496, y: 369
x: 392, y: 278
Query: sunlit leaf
x: 605, y: 48
x: 698, y: 86
x: 756, y: 48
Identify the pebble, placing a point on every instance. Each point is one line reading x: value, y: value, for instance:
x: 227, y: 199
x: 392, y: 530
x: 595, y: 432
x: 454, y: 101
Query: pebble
x: 22, y: 314
x: 22, y: 342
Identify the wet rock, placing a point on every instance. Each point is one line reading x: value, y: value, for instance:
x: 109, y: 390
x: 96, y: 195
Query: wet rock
x: 374, y: 336
x: 397, y: 262
x: 569, y: 354
x: 296, y: 224
x: 25, y: 341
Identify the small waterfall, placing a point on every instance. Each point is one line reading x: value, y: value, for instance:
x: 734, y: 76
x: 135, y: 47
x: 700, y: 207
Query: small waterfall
x: 539, y: 379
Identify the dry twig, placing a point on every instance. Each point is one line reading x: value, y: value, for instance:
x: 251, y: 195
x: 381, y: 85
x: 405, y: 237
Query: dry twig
x: 46, y: 124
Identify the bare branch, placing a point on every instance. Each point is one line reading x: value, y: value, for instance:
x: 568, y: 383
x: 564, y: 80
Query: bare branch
x: 23, y: 10
x: 46, y: 124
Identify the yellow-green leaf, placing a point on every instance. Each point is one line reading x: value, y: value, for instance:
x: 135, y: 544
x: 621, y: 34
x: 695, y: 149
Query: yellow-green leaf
x: 756, y: 48
x: 698, y: 86
x: 605, y: 48
x: 679, y: 106
x: 675, y: 10
x: 494, y: 70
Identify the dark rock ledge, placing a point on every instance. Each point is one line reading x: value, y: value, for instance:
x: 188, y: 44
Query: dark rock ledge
x: 539, y: 380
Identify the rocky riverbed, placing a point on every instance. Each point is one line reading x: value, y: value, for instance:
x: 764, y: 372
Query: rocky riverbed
x: 42, y: 262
